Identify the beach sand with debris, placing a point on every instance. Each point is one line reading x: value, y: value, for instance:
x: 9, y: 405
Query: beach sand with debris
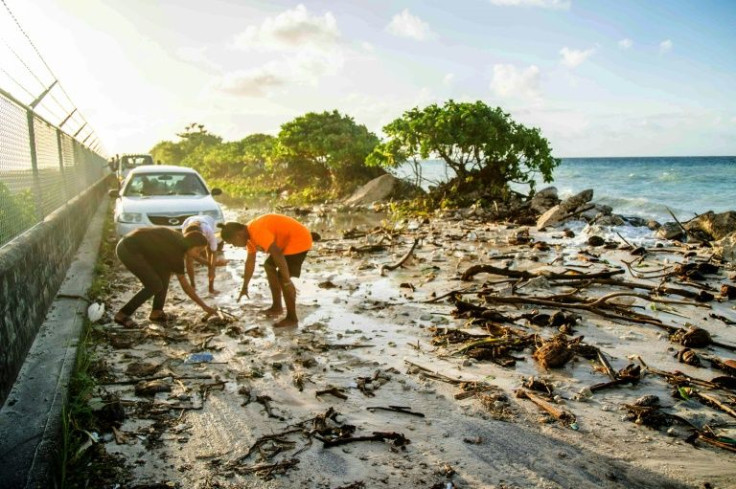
x: 376, y: 387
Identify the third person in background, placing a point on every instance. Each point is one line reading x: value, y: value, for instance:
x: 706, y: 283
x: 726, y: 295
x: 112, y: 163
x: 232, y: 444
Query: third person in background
x: 287, y: 242
x: 206, y: 226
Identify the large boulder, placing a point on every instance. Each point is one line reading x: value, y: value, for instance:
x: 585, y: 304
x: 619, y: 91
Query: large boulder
x: 566, y: 209
x: 382, y: 188
x: 544, y: 200
x: 670, y: 231
x: 716, y: 226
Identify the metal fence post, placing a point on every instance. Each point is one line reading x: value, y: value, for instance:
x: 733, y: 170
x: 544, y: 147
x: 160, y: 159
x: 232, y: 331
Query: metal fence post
x: 34, y: 166
x: 61, y: 165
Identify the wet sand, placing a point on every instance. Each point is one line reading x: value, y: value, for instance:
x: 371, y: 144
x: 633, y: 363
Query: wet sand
x: 365, y: 341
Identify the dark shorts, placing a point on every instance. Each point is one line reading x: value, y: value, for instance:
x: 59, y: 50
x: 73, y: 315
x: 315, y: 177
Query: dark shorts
x: 294, y: 262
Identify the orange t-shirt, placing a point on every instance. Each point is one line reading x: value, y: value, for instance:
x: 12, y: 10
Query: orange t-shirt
x: 289, y: 234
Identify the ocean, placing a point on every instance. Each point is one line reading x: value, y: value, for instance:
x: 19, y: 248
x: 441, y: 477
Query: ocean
x: 642, y: 187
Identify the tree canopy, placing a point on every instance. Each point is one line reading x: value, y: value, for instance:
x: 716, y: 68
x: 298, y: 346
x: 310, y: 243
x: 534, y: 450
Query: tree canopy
x: 327, y: 144
x: 483, y: 145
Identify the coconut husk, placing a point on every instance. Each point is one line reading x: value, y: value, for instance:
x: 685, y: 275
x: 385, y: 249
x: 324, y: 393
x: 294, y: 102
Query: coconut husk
x: 556, y: 352
x: 694, y: 338
x: 689, y: 357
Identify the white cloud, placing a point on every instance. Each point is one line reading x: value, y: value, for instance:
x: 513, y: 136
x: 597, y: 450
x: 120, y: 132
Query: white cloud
x: 572, y: 58
x: 625, y: 43
x: 550, y: 4
x: 308, y: 50
x: 665, y: 46
x: 367, y: 47
x: 407, y: 25
x: 291, y: 29
x: 258, y: 83
x: 448, y: 79
x: 305, y: 67
x: 508, y: 81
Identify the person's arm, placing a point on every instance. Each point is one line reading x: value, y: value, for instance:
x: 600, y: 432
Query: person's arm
x: 193, y: 295
x: 250, y: 266
x: 281, y: 265
x: 190, y: 269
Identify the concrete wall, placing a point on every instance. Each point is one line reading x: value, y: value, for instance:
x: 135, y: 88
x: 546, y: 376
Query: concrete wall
x: 32, y: 267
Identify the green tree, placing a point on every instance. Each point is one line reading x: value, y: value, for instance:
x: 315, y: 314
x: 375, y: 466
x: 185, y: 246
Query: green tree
x: 258, y: 152
x: 485, y: 148
x: 316, y: 146
x: 167, y: 152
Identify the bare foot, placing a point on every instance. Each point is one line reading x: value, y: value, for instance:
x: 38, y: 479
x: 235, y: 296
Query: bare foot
x: 287, y: 322
x: 125, y: 321
x: 272, y: 311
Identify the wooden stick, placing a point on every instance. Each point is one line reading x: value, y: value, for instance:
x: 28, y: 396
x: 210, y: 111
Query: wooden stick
x: 559, y: 414
x: 396, y: 409
x: 476, y: 269
x: 715, y: 402
x: 400, y: 439
x: 402, y: 260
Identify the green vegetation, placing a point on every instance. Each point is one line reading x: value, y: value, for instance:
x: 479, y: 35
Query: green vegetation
x: 324, y: 156
x: 309, y: 151
x: 17, y: 213
x: 485, y: 148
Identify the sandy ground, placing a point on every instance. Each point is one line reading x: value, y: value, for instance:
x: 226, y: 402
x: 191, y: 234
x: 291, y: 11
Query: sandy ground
x: 252, y: 416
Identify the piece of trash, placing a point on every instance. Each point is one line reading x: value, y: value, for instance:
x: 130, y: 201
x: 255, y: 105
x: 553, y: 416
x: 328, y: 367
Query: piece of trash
x: 199, y: 358
x: 95, y: 311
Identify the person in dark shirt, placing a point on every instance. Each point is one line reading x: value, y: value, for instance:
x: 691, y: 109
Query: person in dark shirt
x: 153, y: 254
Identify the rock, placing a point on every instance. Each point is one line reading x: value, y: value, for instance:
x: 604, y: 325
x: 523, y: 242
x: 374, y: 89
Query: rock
x: 637, y: 221
x: 725, y: 248
x: 611, y: 220
x: 596, y: 241
x: 384, y: 187
x: 565, y: 209
x: 653, y: 225
x: 669, y: 230
x: 717, y: 226
x: 544, y: 200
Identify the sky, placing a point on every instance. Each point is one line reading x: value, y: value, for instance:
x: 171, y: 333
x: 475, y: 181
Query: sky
x: 597, y: 77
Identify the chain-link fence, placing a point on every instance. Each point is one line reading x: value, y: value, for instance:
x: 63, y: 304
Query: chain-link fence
x: 41, y: 168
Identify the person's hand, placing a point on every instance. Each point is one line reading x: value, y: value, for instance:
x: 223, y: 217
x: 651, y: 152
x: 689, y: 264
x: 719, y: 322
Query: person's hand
x: 243, y: 292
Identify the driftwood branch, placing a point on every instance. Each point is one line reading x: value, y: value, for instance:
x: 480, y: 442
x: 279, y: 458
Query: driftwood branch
x: 396, y: 409
x: 402, y: 260
x: 476, y: 269
x: 397, y: 439
x: 557, y: 413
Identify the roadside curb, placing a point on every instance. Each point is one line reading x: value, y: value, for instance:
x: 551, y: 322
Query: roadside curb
x: 30, y: 419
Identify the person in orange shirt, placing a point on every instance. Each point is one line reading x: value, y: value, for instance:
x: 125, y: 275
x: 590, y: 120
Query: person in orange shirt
x: 287, y: 242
